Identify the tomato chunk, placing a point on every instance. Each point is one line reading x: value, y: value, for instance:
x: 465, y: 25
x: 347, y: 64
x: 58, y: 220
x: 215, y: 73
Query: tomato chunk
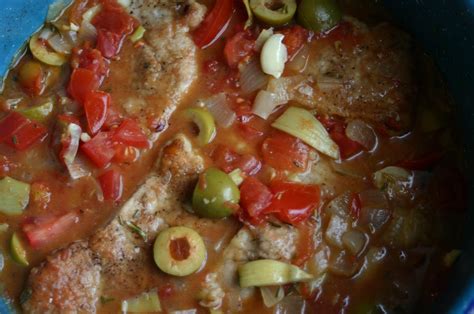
x: 11, y: 124
x: 228, y: 160
x: 90, y: 59
x: 214, y: 24
x: 238, y: 47
x: 41, y: 231
x: 100, y: 149
x: 27, y: 135
x: 254, y: 196
x: 96, y: 105
x: 293, y: 202
x: 295, y: 37
x: 109, y: 43
x: 285, y: 152
x: 81, y: 83
x: 111, y: 183
x: 130, y: 133
x: 114, y: 18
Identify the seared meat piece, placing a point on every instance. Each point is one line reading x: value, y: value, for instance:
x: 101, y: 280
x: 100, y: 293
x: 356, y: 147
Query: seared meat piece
x: 371, y: 79
x: 73, y: 278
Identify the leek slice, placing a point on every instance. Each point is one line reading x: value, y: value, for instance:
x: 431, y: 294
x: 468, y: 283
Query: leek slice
x: 14, y: 196
x: 41, y: 52
x: 39, y: 113
x: 268, y: 272
x: 144, y: 303
x: 303, y: 125
x: 138, y: 34
x: 18, y: 251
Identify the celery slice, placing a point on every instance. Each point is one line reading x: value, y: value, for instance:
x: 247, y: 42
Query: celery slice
x: 18, y: 251
x: 39, y: 113
x: 268, y: 272
x: 145, y: 303
x: 303, y: 125
x: 138, y: 34
x: 14, y: 196
x: 237, y: 176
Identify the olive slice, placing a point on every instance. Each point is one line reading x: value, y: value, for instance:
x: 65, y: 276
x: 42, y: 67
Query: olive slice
x: 273, y: 12
x: 215, y: 195
x: 205, y: 122
x: 179, y: 251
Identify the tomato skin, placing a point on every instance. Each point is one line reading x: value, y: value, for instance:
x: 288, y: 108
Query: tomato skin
x: 285, y: 152
x: 254, y: 196
x: 228, y: 160
x: 113, y: 118
x: 295, y: 37
x: 109, y: 43
x: 42, y: 230
x: 111, y: 183
x: 11, y: 124
x: 81, y: 83
x: 26, y: 136
x: 90, y: 59
x: 130, y: 133
x: 100, y: 149
x: 238, y: 47
x: 214, y: 24
x: 96, y: 105
x: 293, y: 203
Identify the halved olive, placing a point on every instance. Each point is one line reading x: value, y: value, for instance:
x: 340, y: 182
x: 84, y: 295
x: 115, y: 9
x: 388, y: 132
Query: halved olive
x: 17, y: 250
x: 179, y: 251
x: 43, y: 54
x: 319, y: 15
x: 215, y: 195
x: 205, y: 122
x: 273, y: 12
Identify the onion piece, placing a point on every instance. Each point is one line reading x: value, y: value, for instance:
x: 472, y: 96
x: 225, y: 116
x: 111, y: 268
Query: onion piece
x: 343, y: 264
x: 339, y: 205
x: 45, y: 33
x: 262, y: 38
x: 272, y: 295
x: 75, y: 169
x: 303, y: 125
x: 87, y: 32
x: 89, y: 14
x: 264, y: 104
x: 252, y: 77
x: 60, y: 44
x: 337, y: 227
x: 219, y: 108
x: 362, y: 133
x: 354, y: 241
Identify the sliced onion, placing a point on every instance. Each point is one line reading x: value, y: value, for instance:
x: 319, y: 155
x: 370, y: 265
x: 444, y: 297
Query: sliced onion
x: 87, y: 32
x: 76, y: 171
x: 272, y: 295
x: 354, y: 241
x: 362, y: 133
x: 252, y: 77
x: 60, y: 44
x: 336, y: 228
x: 45, y: 33
x: 264, y: 104
x: 219, y: 108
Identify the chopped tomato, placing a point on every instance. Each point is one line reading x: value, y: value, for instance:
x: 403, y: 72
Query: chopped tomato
x: 11, y: 124
x: 254, y: 196
x: 295, y: 37
x: 113, y: 118
x: 100, y: 149
x: 355, y: 205
x: 238, y: 47
x: 91, y: 59
x: 109, y: 43
x: 111, y: 183
x: 214, y: 24
x: 130, y: 133
x: 81, y: 83
x: 41, y: 231
x: 337, y: 130
x: 125, y: 154
x: 285, y: 152
x: 425, y: 162
x: 96, y: 105
x: 114, y: 18
x: 26, y: 136
x: 228, y: 160
x: 293, y: 202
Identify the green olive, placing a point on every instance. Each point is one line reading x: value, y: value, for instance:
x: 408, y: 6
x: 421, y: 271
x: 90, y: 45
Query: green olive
x: 179, y: 251
x: 319, y: 15
x: 43, y: 54
x: 273, y: 12
x: 17, y: 250
x: 215, y: 195
x: 205, y: 122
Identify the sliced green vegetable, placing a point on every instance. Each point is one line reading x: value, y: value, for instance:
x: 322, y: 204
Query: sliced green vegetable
x: 236, y: 176
x: 268, y: 272
x: 272, y: 295
x: 319, y: 15
x: 303, y: 125
x: 390, y: 175
x: 39, y: 113
x: 17, y: 250
x: 43, y: 54
x: 249, y: 21
x: 179, y: 251
x: 451, y: 257
x: 273, y: 12
x: 215, y: 195
x: 147, y: 302
x: 205, y: 122
x: 138, y: 34
x: 14, y: 196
